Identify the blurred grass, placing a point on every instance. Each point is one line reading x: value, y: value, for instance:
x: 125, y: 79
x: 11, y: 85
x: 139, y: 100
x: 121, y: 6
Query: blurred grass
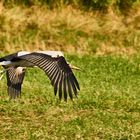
x: 108, y: 106
x: 38, y: 28
x: 124, y: 6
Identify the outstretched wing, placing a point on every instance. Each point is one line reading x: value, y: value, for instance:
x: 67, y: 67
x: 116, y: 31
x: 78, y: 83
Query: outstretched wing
x: 14, y: 82
x: 58, y: 71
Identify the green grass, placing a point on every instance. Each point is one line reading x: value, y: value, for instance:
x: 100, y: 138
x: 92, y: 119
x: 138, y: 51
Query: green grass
x: 108, y: 105
x: 105, y: 46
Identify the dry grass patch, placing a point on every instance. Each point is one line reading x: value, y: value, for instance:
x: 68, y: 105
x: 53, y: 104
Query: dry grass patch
x: 69, y: 30
x: 106, y: 49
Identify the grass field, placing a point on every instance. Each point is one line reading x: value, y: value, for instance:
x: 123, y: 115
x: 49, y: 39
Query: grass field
x: 108, y: 106
x: 107, y: 49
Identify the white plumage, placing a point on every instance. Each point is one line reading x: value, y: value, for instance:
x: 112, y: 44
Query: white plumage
x: 52, y: 53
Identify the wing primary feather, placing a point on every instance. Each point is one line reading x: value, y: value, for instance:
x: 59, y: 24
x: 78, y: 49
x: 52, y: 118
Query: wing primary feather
x: 52, y: 73
x: 40, y: 64
x: 54, y: 77
x: 69, y: 88
x: 48, y: 68
x: 52, y: 70
x: 45, y: 64
x: 73, y: 86
x: 32, y: 59
x: 60, y: 86
x: 13, y: 93
x: 65, y: 87
x: 56, y: 83
x: 75, y: 81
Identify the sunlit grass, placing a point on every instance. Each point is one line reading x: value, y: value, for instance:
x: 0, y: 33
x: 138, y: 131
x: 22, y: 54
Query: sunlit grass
x: 105, y: 46
x: 108, y: 105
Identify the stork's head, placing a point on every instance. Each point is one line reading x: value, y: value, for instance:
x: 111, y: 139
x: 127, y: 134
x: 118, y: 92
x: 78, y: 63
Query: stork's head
x: 20, y: 70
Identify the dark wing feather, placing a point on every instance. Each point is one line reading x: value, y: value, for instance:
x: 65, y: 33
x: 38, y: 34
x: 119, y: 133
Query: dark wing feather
x: 65, y: 87
x: 58, y: 71
x: 14, y: 82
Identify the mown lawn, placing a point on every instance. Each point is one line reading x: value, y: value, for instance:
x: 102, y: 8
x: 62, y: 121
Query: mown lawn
x: 108, y: 106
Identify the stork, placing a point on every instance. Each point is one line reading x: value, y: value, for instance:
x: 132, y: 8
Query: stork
x: 52, y: 63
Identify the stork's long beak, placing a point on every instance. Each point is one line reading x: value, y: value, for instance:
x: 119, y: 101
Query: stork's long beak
x: 74, y: 67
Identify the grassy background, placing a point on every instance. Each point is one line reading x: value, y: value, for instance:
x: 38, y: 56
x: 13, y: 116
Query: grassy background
x: 108, y: 106
x: 105, y: 45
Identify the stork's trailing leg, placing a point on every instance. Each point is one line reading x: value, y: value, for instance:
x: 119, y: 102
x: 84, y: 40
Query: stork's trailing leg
x: 2, y: 73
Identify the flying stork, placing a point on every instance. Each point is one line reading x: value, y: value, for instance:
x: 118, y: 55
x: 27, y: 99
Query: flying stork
x: 52, y: 63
